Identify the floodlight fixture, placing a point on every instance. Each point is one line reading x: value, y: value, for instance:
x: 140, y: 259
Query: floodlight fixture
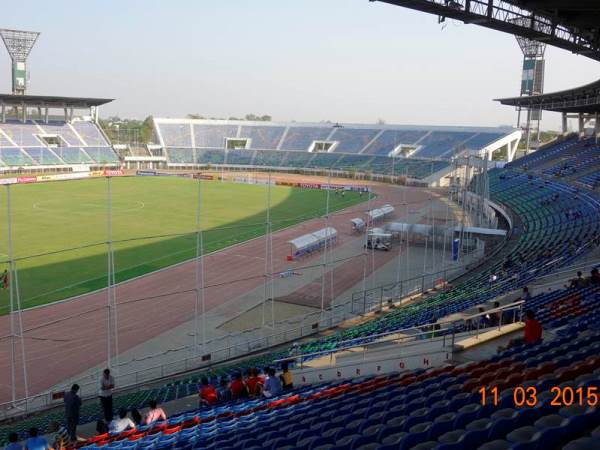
x: 19, y: 44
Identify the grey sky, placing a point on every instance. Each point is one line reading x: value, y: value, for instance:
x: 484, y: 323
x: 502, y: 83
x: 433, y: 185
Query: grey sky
x: 309, y: 60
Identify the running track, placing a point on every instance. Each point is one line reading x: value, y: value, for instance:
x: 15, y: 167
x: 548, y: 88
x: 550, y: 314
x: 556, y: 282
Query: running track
x: 64, y: 339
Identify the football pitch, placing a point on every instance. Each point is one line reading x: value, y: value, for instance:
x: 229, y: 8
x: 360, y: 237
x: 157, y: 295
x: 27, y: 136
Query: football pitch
x: 60, y: 229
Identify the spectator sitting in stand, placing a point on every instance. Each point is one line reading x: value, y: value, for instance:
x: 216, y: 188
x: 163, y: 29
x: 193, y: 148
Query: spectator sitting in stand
x: 154, y: 413
x: 35, y: 441
x: 208, y: 394
x: 532, y: 333
x: 272, y: 384
x: 253, y: 382
x: 578, y: 282
x: 122, y: 423
x: 238, y: 387
x: 287, y: 382
x: 223, y: 392
x: 13, y: 442
x: 61, y: 436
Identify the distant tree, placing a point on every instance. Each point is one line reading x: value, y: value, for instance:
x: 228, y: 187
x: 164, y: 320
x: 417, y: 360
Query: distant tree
x: 194, y: 116
x: 128, y: 131
x: 257, y: 118
x: 380, y: 121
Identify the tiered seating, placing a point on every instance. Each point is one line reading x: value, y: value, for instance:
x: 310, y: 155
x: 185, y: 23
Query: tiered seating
x: 324, y: 160
x: 482, y: 140
x: 590, y: 180
x: 272, y: 158
x: 439, y: 408
x: 207, y: 156
x: 300, y: 138
x: 559, y: 308
x: 440, y: 144
x: 240, y: 157
x: 352, y: 140
x: 413, y: 168
x: 95, y: 149
x: 90, y: 133
x: 180, y: 155
x: 22, y: 134
x: 544, y: 154
x: 263, y: 138
x: 574, y: 159
x: 298, y: 159
x: 72, y: 155
x: 43, y: 156
x: 176, y: 134
x: 102, y: 155
x: 63, y: 130
x: 213, y: 136
x: 390, y: 139
x: 15, y: 157
x: 347, y: 162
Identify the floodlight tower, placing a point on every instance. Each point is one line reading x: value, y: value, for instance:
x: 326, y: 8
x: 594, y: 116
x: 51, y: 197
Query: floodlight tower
x: 19, y: 45
x: 532, y: 83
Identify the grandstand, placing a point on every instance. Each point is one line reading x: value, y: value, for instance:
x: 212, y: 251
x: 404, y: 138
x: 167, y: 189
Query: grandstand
x: 382, y: 149
x: 35, y: 138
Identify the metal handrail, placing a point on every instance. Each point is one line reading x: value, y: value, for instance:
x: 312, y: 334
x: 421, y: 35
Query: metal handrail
x: 511, y: 306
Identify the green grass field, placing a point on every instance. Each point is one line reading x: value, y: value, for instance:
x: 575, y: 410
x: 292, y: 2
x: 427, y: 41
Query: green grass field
x: 60, y: 228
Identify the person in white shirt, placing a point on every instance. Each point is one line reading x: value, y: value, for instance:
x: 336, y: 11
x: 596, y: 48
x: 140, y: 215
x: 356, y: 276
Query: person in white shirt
x: 122, y: 423
x: 107, y: 384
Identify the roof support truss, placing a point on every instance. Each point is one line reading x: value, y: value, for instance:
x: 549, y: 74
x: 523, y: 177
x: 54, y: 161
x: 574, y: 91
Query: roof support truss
x: 504, y: 16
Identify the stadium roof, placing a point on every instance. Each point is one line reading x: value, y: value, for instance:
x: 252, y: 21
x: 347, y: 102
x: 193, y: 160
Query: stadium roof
x: 51, y: 101
x: 583, y: 99
x: 573, y: 25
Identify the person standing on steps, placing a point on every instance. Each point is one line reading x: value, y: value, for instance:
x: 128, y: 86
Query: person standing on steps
x: 72, y: 408
x: 107, y: 384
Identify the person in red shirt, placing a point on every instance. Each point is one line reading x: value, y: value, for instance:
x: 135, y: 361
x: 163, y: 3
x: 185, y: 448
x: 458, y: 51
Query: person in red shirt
x: 533, y: 329
x: 252, y: 382
x: 532, y: 333
x: 208, y: 394
x: 237, y: 387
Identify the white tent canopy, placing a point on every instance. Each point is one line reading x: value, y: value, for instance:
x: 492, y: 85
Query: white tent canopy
x: 380, y: 213
x: 312, y: 241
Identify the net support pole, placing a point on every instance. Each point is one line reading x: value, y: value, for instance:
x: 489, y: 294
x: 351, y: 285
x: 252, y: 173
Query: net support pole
x: 15, y: 301
x: 406, y: 213
x: 399, y: 262
x: 365, y: 253
x: 324, y: 263
x: 13, y: 373
x: 112, y: 326
x: 199, y: 304
x: 270, y: 236
x: 268, y: 254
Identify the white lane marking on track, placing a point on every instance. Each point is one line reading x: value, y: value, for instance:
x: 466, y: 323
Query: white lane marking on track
x: 244, y: 256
